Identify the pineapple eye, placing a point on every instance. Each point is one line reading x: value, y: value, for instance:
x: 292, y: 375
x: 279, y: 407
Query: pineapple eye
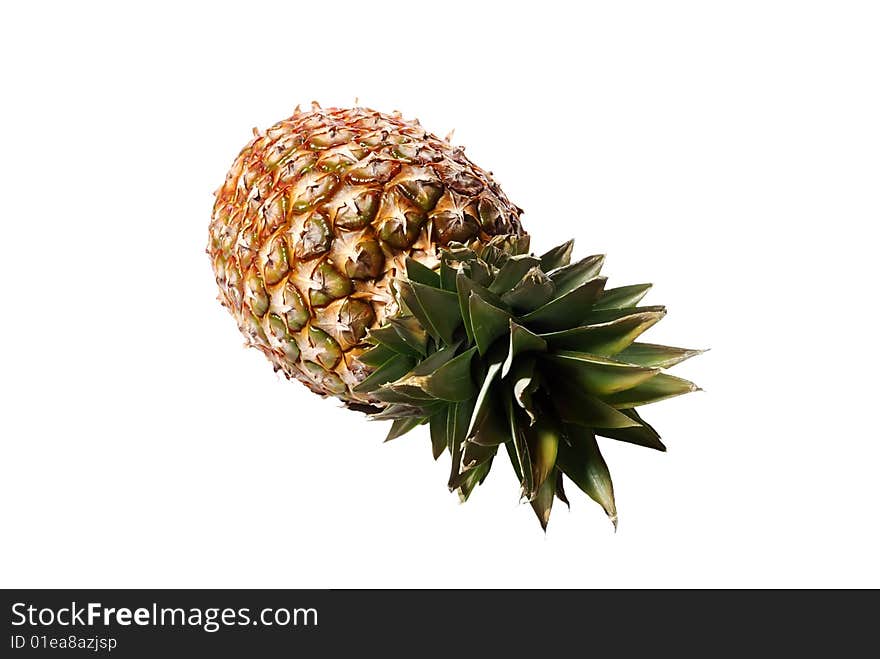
x: 369, y: 262
x: 315, y: 238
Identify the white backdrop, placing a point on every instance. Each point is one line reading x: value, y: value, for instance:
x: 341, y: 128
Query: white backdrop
x: 728, y: 152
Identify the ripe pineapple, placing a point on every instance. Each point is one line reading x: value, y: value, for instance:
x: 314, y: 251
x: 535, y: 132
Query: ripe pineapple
x: 318, y: 215
x: 374, y: 262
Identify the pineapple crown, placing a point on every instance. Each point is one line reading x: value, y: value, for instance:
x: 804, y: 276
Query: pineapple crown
x: 503, y: 348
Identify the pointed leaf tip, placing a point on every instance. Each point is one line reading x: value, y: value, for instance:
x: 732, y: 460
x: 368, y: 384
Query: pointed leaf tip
x: 557, y: 257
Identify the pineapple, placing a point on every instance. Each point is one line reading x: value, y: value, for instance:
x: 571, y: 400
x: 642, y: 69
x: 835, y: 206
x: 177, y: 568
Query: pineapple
x: 318, y: 215
x: 375, y: 263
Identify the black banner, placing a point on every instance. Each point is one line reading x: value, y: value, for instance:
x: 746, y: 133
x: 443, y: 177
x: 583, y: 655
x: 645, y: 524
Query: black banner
x: 151, y: 623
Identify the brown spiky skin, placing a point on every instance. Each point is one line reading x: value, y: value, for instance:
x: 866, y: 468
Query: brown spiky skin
x: 316, y: 217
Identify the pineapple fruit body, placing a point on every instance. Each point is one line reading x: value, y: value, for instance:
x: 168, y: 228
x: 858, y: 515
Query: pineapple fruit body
x: 317, y: 217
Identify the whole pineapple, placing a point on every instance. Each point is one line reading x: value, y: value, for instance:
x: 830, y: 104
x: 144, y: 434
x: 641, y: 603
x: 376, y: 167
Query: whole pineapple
x: 316, y: 218
x: 375, y: 263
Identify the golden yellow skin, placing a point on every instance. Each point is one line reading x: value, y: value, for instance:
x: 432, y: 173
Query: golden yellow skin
x: 317, y: 216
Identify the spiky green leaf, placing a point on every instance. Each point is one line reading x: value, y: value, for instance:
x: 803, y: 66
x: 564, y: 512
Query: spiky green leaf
x: 607, y: 315
x: 473, y: 478
x: 596, y: 375
x: 376, y: 356
x: 457, y: 421
x: 525, y: 382
x: 566, y: 310
x: 483, y: 402
x: 440, y: 309
x: 487, y: 322
x: 605, y: 339
x: 394, y: 368
x: 513, y: 272
x: 641, y: 435
x: 447, y: 276
x: 557, y: 257
x: 394, y: 412
x: 465, y: 287
x: 452, y: 381
x: 521, y: 448
x: 403, y: 426
x: 581, y: 461
x: 439, y: 432
x: 650, y: 354
x: 418, y: 272
x: 542, y: 502
x: 572, y: 276
x: 576, y: 406
x: 543, y: 438
x: 391, y: 339
x: 560, y: 488
x: 492, y: 429
x: 534, y: 290
x: 521, y: 340
x: 660, y: 387
x: 622, y: 297
x: 474, y: 454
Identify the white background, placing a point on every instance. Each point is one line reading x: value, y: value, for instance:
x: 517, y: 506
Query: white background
x: 728, y: 152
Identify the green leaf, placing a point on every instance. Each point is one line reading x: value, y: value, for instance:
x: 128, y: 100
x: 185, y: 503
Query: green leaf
x: 418, y: 272
x: 483, y: 402
x: 494, y: 256
x: 487, y: 322
x: 596, y: 375
x: 605, y: 339
x: 641, y: 435
x: 521, y: 448
x: 457, y: 420
x: 435, y: 360
x: 440, y: 309
x: 452, y: 381
x: 560, y: 488
x: 403, y: 426
x: 411, y: 304
x: 660, y: 387
x: 557, y: 257
x: 473, y: 478
x: 650, y: 354
x: 465, y: 287
x: 515, y: 244
x: 479, y: 272
x: 566, y: 311
x: 572, y: 276
x: 513, y: 272
x: 543, y: 500
x: 388, y: 337
x: 376, y: 356
x: 474, y: 454
x: 412, y: 333
x: 623, y: 297
x: 575, y: 406
x: 394, y: 368
x: 524, y: 385
x: 403, y: 395
x: 607, y: 315
x: 492, y: 429
x: 543, y: 440
x: 447, y: 276
x: 394, y: 412
x: 438, y: 432
x: 582, y: 462
x: 521, y: 340
x: 534, y: 290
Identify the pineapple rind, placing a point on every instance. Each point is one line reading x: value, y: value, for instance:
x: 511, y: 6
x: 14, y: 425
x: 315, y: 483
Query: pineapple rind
x: 316, y: 218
